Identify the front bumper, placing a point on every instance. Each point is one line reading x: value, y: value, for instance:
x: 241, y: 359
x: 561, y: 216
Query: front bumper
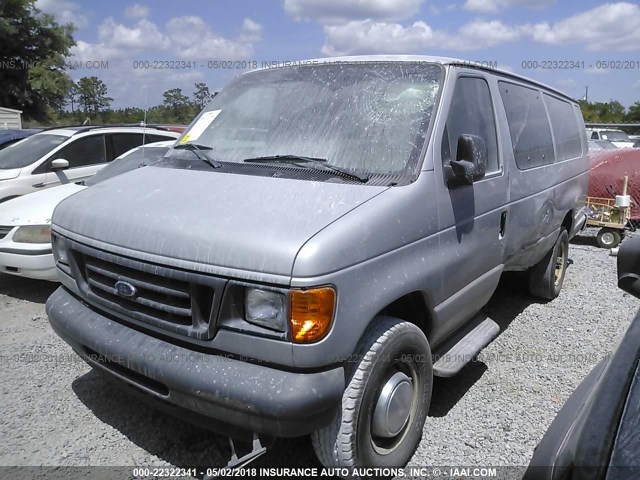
x: 33, y: 263
x: 238, y: 395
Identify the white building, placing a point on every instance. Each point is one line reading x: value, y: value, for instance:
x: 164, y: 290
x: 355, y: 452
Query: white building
x: 10, y: 118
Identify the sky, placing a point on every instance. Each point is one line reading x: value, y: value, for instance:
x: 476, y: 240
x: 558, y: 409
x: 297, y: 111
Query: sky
x: 567, y: 45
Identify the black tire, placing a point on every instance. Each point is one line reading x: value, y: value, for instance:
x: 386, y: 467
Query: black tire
x: 547, y: 276
x: 390, y: 346
x: 608, y: 238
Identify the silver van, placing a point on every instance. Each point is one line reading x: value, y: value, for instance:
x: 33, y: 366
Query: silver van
x: 319, y: 245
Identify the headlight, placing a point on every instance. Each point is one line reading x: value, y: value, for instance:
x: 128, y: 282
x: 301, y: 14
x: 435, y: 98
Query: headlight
x: 60, y: 252
x: 265, y: 308
x: 311, y: 313
x: 33, y: 234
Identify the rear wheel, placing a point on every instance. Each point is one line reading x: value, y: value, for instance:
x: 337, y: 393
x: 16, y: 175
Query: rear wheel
x: 608, y: 238
x: 547, y: 276
x: 386, y: 401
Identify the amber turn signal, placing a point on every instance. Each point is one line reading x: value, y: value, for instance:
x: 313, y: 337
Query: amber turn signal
x: 311, y: 313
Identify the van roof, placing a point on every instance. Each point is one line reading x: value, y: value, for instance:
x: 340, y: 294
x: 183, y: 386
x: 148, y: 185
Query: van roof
x: 447, y: 61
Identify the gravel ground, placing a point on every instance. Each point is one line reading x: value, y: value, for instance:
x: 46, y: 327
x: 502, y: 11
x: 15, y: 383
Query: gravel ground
x: 57, y: 411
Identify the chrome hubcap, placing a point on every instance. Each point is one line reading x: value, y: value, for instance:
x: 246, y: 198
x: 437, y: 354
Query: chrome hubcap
x: 393, y: 407
x: 607, y: 238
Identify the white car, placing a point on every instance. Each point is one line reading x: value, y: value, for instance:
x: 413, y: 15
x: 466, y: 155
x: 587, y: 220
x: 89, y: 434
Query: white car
x: 619, y: 138
x: 25, y: 222
x: 30, y: 164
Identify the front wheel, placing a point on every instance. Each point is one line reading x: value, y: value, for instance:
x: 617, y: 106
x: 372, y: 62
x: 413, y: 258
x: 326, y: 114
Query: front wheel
x: 386, y: 401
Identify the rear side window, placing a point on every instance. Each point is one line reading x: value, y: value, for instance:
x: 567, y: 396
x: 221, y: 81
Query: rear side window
x: 84, y: 151
x: 566, y: 131
x: 471, y: 113
x: 123, y: 142
x: 528, y: 125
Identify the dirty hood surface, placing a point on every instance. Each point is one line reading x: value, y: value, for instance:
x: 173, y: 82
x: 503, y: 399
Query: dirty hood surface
x: 251, y: 223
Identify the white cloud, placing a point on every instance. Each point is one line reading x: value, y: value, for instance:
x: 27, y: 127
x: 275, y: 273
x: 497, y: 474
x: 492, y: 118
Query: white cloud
x: 362, y: 37
x: 359, y: 37
x: 117, y: 41
x: 137, y: 11
x: 89, y: 52
x: 64, y: 11
x: 251, y: 31
x: 492, y: 6
x: 187, y: 38
x: 477, y: 35
x: 612, y: 26
x: 142, y: 36
x: 335, y: 11
x: 195, y: 40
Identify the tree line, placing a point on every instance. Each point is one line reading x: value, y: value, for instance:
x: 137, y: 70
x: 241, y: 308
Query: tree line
x: 88, y: 99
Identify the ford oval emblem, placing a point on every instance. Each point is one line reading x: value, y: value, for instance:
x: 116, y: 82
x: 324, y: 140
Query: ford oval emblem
x: 125, y: 289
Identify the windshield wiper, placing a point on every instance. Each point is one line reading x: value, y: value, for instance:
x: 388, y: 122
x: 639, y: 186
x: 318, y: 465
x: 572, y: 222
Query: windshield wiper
x: 198, y: 151
x: 321, y: 162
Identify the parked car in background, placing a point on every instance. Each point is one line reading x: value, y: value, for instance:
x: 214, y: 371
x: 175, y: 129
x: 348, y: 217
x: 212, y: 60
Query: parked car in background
x: 35, y: 162
x: 13, y: 135
x: 320, y: 243
x: 619, y: 138
x: 596, y: 145
x: 25, y: 222
x: 595, y: 434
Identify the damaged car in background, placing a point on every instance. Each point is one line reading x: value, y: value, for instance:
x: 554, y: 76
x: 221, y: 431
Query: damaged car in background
x: 320, y: 244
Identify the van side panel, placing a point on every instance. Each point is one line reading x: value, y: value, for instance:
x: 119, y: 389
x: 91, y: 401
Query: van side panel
x: 541, y: 195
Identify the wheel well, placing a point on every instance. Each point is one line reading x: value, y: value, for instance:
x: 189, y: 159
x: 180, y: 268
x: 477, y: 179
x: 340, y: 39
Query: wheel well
x: 567, y: 223
x: 412, y: 308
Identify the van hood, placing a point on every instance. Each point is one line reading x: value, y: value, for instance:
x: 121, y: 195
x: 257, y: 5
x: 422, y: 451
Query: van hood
x: 245, y: 223
x: 35, y: 208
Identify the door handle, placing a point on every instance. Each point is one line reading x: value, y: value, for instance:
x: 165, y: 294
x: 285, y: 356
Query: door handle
x: 38, y: 185
x: 503, y: 224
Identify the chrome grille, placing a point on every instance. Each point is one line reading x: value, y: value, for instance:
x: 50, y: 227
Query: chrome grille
x: 4, y: 231
x: 156, y: 297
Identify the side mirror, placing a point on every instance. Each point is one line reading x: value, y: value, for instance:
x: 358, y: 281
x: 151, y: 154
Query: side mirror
x: 629, y: 266
x: 59, y: 164
x: 471, y: 160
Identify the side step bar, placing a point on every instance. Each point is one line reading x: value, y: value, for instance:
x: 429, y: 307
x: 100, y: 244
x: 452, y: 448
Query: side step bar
x: 451, y: 362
